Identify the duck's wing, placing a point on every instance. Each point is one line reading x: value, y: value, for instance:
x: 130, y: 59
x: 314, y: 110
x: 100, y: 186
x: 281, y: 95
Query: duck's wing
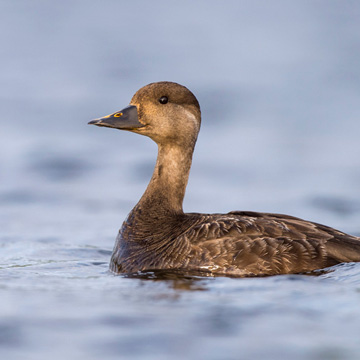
x: 251, y: 243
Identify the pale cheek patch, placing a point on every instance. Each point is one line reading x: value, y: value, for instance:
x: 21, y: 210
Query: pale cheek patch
x: 192, y: 117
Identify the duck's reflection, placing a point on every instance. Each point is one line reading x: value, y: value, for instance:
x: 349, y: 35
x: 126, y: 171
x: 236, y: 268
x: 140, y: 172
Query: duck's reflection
x: 176, y: 279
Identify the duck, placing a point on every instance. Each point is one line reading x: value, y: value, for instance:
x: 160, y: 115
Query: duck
x: 158, y: 235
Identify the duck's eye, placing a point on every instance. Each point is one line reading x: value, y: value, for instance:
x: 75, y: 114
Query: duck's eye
x: 163, y: 100
x: 118, y: 114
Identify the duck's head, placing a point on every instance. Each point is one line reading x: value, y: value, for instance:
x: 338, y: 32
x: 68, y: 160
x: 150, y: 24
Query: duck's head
x: 164, y: 111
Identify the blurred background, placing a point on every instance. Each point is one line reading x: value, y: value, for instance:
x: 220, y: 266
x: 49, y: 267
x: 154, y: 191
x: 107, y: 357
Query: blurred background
x: 279, y: 87
x: 278, y: 84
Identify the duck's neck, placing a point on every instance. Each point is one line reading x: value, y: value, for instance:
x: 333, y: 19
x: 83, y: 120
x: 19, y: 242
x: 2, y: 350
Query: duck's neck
x: 166, y: 190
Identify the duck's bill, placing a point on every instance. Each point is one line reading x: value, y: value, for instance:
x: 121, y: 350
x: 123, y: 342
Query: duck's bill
x: 124, y: 119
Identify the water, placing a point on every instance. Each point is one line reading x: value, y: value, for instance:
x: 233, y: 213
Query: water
x: 279, y: 87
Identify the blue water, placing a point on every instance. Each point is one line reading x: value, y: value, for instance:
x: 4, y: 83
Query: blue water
x: 278, y: 83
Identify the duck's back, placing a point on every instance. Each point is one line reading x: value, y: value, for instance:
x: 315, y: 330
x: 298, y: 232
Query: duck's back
x: 251, y: 243
x: 236, y: 244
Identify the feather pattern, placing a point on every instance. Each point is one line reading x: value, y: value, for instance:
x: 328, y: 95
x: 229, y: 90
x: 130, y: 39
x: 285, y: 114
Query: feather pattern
x: 237, y: 244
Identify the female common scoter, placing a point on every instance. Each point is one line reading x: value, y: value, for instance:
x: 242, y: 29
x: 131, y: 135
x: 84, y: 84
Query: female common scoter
x: 157, y: 234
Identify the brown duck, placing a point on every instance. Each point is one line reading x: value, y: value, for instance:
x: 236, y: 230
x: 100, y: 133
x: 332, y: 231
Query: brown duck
x: 157, y: 234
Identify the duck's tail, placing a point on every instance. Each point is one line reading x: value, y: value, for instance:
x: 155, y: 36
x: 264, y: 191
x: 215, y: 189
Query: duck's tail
x: 343, y: 249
